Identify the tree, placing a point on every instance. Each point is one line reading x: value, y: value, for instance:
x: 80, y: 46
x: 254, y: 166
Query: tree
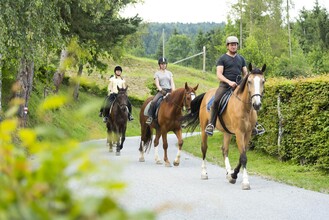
x: 179, y: 46
x: 29, y: 29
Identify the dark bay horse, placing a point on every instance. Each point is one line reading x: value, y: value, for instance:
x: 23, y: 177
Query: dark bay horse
x: 169, y: 119
x: 239, y: 118
x: 117, y: 121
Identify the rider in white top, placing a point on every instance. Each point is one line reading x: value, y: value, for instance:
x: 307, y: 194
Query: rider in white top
x: 112, y: 91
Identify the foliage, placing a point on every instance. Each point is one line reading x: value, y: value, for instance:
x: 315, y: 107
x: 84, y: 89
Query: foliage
x: 305, y: 108
x: 179, y: 47
x: 47, y: 176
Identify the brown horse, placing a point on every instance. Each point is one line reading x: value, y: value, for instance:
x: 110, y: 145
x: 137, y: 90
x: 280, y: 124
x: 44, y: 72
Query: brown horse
x: 239, y: 118
x: 117, y: 121
x: 168, y: 119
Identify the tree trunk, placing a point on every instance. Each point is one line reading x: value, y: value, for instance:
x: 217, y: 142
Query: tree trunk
x: 59, y: 74
x: 0, y: 85
x: 77, y: 85
x: 25, y: 84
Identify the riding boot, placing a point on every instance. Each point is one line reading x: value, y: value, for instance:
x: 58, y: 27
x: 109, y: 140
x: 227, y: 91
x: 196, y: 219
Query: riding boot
x: 150, y: 113
x: 213, y: 117
x: 130, y: 116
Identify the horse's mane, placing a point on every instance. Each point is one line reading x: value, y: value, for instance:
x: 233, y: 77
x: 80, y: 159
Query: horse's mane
x: 245, y: 79
x: 174, y: 97
x: 243, y: 84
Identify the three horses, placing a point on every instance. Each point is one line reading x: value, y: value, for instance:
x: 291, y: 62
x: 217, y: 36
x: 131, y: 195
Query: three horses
x: 168, y: 119
x: 117, y: 121
x: 238, y: 118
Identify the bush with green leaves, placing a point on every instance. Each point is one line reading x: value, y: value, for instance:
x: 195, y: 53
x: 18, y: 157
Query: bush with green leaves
x: 44, y: 175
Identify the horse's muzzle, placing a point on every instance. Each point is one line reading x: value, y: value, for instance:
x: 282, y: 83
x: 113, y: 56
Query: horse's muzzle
x: 256, y: 101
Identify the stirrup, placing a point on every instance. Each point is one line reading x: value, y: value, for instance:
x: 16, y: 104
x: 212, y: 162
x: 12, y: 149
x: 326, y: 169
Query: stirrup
x: 149, y: 120
x: 258, y: 130
x: 209, y: 130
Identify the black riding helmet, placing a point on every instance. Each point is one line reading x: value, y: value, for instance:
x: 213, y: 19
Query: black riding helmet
x: 162, y: 60
x: 117, y: 68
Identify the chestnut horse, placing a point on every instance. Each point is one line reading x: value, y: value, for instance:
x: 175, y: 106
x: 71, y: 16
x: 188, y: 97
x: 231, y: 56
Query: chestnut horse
x: 117, y: 121
x: 168, y: 119
x: 239, y: 118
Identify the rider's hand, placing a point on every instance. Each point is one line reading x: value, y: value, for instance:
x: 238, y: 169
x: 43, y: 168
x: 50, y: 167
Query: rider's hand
x: 233, y: 85
x: 163, y: 92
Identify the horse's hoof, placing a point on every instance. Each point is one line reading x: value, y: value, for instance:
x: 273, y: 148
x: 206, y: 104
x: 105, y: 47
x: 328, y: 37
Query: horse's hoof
x: 176, y: 164
x: 159, y: 162
x: 117, y: 153
x: 167, y: 164
x: 204, y: 176
x: 230, y: 179
x: 110, y: 150
x: 141, y: 159
x: 245, y: 186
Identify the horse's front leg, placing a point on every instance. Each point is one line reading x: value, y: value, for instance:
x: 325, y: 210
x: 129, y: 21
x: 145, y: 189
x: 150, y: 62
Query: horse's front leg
x: 241, y: 140
x: 225, y: 149
x: 180, y: 145
x: 117, y: 141
x: 165, y: 149
x: 156, y: 149
x: 110, y: 140
x: 123, y: 137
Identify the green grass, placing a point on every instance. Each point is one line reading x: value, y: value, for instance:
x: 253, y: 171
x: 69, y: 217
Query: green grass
x: 261, y: 164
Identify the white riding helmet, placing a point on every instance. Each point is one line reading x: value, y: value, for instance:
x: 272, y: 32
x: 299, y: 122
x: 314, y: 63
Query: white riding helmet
x: 232, y: 39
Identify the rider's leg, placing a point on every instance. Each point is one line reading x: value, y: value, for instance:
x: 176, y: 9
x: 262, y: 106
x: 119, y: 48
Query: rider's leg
x: 130, y: 116
x: 214, y: 109
x: 152, y: 108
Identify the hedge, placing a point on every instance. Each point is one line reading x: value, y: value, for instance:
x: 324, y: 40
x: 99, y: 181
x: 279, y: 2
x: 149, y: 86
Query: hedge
x: 304, y: 107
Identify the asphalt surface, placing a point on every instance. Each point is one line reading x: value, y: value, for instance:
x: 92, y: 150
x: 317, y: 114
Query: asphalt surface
x: 179, y: 193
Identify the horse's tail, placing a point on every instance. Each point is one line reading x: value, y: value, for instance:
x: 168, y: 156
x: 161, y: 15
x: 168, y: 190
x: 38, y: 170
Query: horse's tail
x: 191, y: 121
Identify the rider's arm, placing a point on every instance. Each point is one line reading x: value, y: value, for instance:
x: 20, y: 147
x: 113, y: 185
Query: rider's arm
x: 244, y: 71
x: 172, y: 84
x: 222, y: 78
x: 110, y: 87
x: 157, y: 84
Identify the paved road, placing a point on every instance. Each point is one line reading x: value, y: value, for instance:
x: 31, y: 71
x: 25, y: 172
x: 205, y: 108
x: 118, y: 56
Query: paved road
x: 179, y: 192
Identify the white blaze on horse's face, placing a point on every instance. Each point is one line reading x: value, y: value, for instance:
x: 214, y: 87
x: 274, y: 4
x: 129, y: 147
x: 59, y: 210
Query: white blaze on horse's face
x: 257, y: 88
x: 192, y: 96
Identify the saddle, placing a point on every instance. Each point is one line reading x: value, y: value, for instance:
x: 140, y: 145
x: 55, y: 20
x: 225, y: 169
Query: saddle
x: 221, y: 107
x: 157, y: 105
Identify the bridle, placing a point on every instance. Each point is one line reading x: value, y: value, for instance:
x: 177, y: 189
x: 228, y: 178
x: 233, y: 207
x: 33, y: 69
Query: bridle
x: 185, y: 106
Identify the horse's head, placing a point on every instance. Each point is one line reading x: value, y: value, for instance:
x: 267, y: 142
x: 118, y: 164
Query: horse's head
x: 122, y: 98
x: 255, y: 82
x: 189, y: 96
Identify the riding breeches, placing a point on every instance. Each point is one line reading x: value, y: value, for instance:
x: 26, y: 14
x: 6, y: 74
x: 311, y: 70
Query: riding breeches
x: 223, y: 87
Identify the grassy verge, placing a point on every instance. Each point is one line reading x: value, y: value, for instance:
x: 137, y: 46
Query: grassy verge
x: 261, y: 164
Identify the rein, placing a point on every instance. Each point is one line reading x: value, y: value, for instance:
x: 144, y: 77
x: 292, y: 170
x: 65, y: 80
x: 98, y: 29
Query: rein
x: 184, y: 102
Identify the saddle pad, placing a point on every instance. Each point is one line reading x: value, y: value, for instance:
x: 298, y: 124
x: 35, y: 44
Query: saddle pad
x: 223, y: 102
x: 147, y: 107
x: 209, y: 104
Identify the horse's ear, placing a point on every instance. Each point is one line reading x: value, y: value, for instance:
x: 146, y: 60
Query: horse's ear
x: 196, y: 87
x: 118, y: 88
x: 250, y: 67
x: 126, y: 88
x: 264, y: 68
x: 186, y: 86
